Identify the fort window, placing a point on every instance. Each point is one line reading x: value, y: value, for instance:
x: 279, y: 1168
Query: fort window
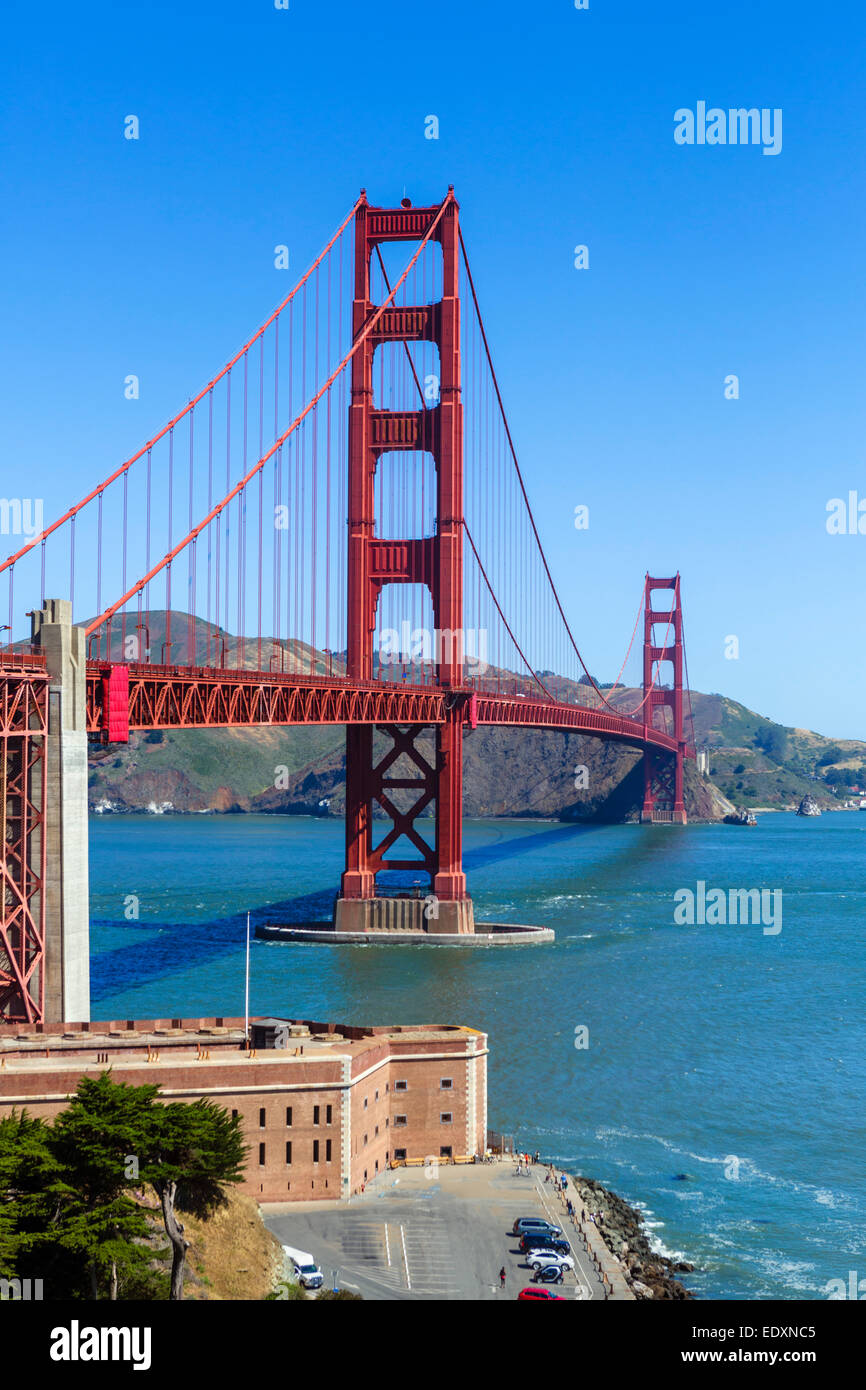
x: 262, y: 1155
x: 315, y: 1150
x: 400, y: 1120
x: 261, y: 1119
x: 446, y: 1083
x: 327, y: 1150
x: 329, y: 1114
x: 315, y: 1114
x: 288, y: 1114
x: 401, y: 1085
x: 288, y: 1150
x: 234, y: 1114
x: 445, y: 1117
x: 399, y: 1155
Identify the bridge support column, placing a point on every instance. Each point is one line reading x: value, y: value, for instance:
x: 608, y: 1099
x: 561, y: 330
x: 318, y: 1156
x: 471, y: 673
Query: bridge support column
x: 409, y: 766
x: 648, y: 797
x: 67, y: 905
x: 663, y: 644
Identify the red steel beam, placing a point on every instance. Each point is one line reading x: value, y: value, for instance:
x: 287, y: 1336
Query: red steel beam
x: 175, y: 697
x: 23, y: 724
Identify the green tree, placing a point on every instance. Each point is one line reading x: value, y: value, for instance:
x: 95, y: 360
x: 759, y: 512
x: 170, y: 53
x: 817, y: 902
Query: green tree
x: 98, y: 1142
x: 775, y: 742
x: 27, y: 1171
x: 192, y: 1151
x: 843, y: 777
x: 832, y: 754
x: 67, y: 1199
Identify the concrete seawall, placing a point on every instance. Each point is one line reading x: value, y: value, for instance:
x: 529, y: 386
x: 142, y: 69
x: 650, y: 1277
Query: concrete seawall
x: 585, y: 1234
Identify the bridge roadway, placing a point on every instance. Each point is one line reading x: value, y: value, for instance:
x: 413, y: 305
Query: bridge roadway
x: 185, y: 697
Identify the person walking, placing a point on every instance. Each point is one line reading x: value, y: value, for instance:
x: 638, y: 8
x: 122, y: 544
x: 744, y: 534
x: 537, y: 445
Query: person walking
x: 502, y: 1277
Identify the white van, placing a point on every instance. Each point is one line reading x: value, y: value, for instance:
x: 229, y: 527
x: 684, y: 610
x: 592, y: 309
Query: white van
x: 307, y: 1272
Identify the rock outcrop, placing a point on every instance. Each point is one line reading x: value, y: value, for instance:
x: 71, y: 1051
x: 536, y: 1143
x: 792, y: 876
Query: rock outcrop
x: 649, y: 1274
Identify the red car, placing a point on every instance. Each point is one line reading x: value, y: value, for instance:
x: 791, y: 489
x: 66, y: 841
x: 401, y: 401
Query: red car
x: 533, y: 1294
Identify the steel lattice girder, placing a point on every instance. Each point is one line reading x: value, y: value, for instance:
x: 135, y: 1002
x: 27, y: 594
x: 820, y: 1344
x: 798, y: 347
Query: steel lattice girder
x: 187, y: 699
x: 174, y: 698
x: 23, y: 724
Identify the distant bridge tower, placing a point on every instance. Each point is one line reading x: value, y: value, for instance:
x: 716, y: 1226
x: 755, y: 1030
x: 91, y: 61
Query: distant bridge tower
x: 663, y: 772
x: 435, y: 561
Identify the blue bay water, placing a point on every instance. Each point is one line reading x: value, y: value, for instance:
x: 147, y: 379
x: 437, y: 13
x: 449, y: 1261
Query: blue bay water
x: 713, y: 1050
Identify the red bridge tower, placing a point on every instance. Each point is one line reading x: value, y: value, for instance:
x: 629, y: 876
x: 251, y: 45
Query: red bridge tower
x: 435, y: 561
x: 663, y: 773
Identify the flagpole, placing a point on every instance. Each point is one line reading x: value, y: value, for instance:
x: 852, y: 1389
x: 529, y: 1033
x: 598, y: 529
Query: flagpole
x: 247, y: 988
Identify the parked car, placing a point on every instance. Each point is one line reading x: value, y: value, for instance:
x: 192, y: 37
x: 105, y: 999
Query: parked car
x: 539, y: 1259
x: 304, y: 1267
x: 539, y: 1295
x: 548, y: 1274
x: 543, y: 1240
x: 534, y: 1223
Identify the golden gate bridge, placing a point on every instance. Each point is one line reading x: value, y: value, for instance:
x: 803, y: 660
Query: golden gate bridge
x: 346, y: 495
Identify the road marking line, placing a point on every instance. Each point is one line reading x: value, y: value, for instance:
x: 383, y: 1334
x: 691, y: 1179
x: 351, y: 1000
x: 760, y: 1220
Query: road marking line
x: 387, y: 1245
x: 405, y: 1258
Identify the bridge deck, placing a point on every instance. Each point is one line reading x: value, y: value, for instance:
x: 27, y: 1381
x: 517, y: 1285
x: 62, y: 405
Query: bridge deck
x: 171, y: 697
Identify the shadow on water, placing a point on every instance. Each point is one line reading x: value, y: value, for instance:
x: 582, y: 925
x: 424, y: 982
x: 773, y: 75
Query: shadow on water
x: 170, y: 947
x: 510, y: 846
x: 173, y: 946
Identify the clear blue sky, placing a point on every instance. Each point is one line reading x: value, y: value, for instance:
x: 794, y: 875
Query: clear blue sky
x: 258, y: 127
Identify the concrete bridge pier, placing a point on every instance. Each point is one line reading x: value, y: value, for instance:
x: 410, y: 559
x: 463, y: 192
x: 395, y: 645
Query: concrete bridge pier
x: 67, y: 902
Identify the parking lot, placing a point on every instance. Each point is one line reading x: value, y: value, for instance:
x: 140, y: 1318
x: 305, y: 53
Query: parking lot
x: 442, y: 1235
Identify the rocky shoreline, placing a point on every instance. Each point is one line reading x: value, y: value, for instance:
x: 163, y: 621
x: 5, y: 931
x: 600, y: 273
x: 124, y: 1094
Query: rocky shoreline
x: 648, y: 1274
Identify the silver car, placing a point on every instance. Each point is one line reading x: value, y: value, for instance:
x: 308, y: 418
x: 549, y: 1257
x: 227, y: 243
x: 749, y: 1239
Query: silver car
x: 542, y: 1259
x: 532, y: 1225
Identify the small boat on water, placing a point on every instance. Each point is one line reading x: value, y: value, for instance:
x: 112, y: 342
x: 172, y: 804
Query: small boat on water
x: 743, y: 817
x: 808, y: 806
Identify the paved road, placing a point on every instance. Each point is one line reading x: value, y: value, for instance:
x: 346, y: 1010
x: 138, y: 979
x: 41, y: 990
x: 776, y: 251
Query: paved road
x: 410, y: 1237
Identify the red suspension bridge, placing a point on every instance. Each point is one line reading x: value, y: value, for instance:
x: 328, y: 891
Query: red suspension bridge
x: 378, y: 558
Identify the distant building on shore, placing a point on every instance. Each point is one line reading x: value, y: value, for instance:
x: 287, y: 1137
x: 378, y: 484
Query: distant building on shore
x: 324, y: 1106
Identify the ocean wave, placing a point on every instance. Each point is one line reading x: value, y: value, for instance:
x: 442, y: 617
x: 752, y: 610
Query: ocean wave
x: 749, y: 1172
